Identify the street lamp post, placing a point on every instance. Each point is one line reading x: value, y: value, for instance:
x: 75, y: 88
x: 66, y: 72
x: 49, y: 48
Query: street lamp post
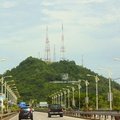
x: 61, y: 97
x: 86, y: 98
x: 56, y: 99
x: 2, y: 92
x: 79, y: 87
x: 64, y: 98
x: 2, y: 81
x: 110, y: 97
x: 73, y: 99
x: 110, y: 94
x: 52, y: 99
x: 64, y: 92
x: 96, y: 80
x: 68, y: 98
x: 11, y: 83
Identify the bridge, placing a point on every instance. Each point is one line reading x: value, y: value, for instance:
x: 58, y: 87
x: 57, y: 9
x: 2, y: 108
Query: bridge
x: 70, y: 115
x: 10, y: 95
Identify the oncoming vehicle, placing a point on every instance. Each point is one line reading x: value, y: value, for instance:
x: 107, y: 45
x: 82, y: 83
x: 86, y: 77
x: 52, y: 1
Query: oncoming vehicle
x: 55, y: 109
x: 26, y: 113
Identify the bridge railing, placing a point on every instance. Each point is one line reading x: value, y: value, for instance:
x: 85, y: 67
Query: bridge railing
x: 100, y: 115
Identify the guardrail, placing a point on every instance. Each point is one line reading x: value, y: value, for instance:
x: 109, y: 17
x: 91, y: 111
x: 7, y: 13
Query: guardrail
x: 6, y: 115
x: 95, y: 115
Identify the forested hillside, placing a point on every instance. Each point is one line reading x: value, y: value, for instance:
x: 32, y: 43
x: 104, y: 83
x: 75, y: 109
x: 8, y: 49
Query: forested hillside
x: 33, y: 77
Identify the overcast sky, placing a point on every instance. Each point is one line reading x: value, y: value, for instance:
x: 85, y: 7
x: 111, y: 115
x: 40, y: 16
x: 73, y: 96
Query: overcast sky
x: 91, y: 30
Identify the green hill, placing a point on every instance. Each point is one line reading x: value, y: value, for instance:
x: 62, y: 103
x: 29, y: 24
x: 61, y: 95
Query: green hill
x: 33, y: 77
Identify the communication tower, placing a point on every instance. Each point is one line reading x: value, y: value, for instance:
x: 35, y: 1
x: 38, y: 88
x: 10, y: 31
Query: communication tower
x: 47, y: 47
x: 62, y: 49
x: 54, y: 56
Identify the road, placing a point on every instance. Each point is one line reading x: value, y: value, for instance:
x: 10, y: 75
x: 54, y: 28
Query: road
x: 44, y: 116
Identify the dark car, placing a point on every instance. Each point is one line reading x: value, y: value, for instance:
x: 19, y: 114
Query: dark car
x: 55, y: 109
x: 26, y: 113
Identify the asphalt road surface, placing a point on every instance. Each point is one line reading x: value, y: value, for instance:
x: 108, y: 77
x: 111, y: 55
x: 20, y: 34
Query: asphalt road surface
x: 44, y: 116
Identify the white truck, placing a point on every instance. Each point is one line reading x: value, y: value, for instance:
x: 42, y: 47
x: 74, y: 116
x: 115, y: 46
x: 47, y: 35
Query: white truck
x: 43, y: 104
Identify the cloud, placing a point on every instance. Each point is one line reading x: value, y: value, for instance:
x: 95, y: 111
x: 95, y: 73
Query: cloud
x: 89, y: 1
x: 59, y: 15
x: 47, y: 3
x: 58, y: 2
x: 7, y: 4
x: 86, y: 15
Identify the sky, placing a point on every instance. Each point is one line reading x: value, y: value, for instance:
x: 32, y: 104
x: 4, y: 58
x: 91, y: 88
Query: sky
x: 91, y: 31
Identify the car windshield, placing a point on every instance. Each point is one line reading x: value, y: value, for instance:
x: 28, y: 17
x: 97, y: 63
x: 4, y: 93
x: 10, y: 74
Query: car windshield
x: 26, y: 109
x: 55, y: 106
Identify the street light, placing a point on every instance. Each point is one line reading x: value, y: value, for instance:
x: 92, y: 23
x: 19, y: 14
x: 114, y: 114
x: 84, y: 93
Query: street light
x: 79, y: 87
x: 96, y: 80
x: 2, y: 85
x: 9, y: 84
x: 15, y: 90
x: 65, y: 92
x: 2, y: 82
x: 68, y: 97
x: 61, y: 97
x: 3, y: 59
x: 86, y: 98
x: 58, y: 97
x: 117, y: 59
x: 110, y: 91
x: 55, y: 98
x: 73, y: 98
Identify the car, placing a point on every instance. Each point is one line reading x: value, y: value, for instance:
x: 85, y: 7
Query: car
x: 26, y: 113
x: 55, y: 109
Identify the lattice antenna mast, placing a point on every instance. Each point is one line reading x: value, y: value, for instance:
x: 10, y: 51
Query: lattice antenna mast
x: 62, y: 50
x: 82, y: 60
x: 54, y: 56
x: 47, y: 47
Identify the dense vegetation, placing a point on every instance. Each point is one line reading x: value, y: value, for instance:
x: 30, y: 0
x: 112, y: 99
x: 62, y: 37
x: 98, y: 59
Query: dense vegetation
x: 33, y: 77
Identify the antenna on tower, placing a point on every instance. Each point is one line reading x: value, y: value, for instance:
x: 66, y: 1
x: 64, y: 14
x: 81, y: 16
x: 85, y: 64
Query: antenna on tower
x: 62, y: 49
x: 54, y: 57
x: 47, y: 47
x: 82, y: 60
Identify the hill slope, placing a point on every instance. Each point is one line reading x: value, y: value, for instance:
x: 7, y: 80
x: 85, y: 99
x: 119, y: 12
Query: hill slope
x: 33, y: 77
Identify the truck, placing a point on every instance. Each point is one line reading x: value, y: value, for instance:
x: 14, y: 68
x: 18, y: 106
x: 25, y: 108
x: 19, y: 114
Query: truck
x: 22, y: 104
x: 43, y: 104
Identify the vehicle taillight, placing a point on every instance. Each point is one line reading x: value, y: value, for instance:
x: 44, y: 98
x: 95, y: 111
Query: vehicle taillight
x: 30, y: 109
x: 20, y: 110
